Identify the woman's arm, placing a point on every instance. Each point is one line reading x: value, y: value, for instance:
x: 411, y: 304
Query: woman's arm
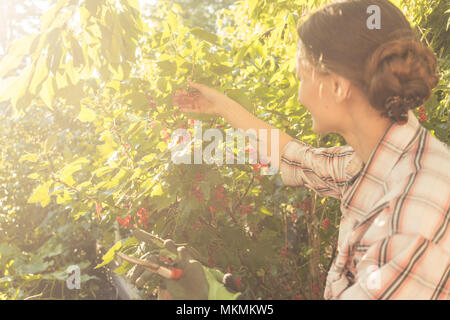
x: 213, y: 102
x: 238, y: 117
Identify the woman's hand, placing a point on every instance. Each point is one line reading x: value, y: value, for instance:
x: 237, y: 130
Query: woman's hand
x: 205, y: 100
x: 209, y: 100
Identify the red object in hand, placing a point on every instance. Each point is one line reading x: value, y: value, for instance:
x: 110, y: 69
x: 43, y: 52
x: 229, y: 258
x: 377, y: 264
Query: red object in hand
x: 176, y: 273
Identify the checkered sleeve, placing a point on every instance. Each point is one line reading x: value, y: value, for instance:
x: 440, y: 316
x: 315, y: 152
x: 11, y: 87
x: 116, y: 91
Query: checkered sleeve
x: 408, y: 243
x: 320, y: 169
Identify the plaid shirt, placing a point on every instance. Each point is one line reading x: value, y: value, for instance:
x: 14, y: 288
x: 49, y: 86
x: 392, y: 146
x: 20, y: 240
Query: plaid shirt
x: 394, y: 239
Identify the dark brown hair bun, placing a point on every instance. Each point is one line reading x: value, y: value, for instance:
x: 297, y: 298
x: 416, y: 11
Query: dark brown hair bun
x: 400, y: 75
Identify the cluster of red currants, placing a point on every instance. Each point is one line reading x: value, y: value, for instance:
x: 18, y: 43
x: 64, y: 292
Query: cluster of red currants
x: 220, y: 197
x: 142, y: 220
x: 143, y: 217
x: 198, y: 193
x: 422, y: 115
x: 125, y: 223
x: 245, y: 209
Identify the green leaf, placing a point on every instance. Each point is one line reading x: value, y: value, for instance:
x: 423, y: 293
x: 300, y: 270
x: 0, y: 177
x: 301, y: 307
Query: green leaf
x: 102, y: 171
x: 266, y: 211
x: 135, y: 4
x: 137, y: 100
x: 130, y: 242
x: 66, y: 173
x: 157, y: 191
x: 40, y: 74
x: 240, y: 54
x: 169, y: 68
x: 221, y: 69
x: 65, y: 199
x: 86, y: 114
x: 161, y: 146
x: 92, y: 6
x: 19, y: 89
x: 29, y: 157
x: 49, y: 16
x: 36, y: 265
x: 172, y: 20
x: 110, y: 255
x: 124, y: 268
x: 77, y: 53
x: 34, y: 176
x: 41, y: 195
x: 18, y: 51
x: 205, y: 35
x: 251, y: 6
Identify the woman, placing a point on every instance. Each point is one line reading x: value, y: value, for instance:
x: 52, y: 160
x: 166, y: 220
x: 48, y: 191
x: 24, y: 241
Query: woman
x: 392, y: 177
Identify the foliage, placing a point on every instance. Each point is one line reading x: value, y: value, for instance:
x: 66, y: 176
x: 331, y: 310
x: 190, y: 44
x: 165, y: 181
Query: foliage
x: 86, y: 145
x: 199, y: 13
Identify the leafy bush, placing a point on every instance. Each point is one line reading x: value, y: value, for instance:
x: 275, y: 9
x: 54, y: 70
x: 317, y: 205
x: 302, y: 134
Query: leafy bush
x: 85, y: 145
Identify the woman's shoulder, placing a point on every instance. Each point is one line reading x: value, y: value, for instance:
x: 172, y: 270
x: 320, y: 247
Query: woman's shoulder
x: 426, y: 155
x: 423, y: 172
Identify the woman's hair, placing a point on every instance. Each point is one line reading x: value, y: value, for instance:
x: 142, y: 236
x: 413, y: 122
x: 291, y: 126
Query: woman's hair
x: 389, y: 64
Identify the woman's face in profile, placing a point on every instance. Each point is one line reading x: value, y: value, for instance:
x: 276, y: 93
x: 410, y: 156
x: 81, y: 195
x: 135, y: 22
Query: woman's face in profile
x: 314, y: 94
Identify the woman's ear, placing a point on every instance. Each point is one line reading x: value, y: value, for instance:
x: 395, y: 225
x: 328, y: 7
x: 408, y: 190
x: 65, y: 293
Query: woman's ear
x: 341, y: 88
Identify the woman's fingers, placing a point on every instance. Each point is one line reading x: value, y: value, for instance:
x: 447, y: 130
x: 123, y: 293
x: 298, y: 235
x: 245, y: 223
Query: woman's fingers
x: 200, y: 101
x: 183, y: 100
x: 195, y: 85
x: 187, y: 101
x: 203, y: 89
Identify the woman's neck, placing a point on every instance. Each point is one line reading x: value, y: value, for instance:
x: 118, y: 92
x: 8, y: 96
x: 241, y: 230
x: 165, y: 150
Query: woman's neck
x: 364, y: 129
